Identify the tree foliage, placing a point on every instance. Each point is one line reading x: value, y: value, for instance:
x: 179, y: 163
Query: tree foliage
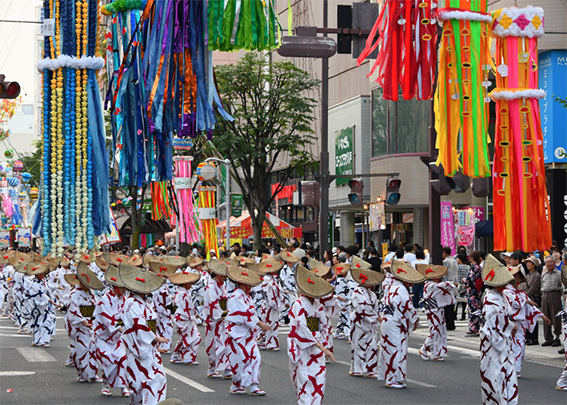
x: 272, y: 121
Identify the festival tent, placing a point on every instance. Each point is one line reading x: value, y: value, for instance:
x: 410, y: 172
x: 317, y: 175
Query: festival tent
x: 241, y: 227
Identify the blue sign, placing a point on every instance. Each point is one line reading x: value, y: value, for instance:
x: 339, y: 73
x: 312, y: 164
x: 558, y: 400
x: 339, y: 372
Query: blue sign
x: 553, y: 79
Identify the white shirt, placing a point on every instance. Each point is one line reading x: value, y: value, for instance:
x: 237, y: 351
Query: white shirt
x: 410, y: 258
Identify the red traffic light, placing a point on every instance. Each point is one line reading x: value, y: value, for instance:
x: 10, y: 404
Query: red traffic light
x: 393, y: 183
x: 393, y: 190
x: 9, y: 89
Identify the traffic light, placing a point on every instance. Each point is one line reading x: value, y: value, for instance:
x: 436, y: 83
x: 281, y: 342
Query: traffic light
x: 459, y: 182
x: 393, y: 190
x: 310, y: 194
x: 8, y: 89
x: 481, y: 187
x: 355, y: 196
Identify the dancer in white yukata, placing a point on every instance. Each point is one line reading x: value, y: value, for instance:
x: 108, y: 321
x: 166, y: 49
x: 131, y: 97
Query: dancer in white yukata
x: 499, y: 384
x: 562, y: 382
x: 271, y: 304
x: 111, y: 352
x: 305, y: 346
x: 242, y: 322
x: 364, y: 320
x: 185, y: 317
x: 215, y: 308
x: 330, y: 303
x: 163, y: 303
x: 287, y: 279
x: 343, y: 288
x: 79, y: 318
x: 437, y: 294
x: 196, y: 264
x: 42, y: 323
x: 21, y: 310
x: 145, y: 374
x: 399, y: 319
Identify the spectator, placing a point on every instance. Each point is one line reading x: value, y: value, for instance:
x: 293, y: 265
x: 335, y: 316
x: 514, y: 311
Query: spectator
x: 551, y: 301
x: 515, y: 259
x: 464, y: 266
x: 506, y: 257
x: 392, y: 253
x: 297, y: 250
x: 452, y: 275
x: 351, y: 251
x: 340, y: 249
x: 557, y: 257
x: 311, y: 253
x: 474, y: 285
x: 400, y: 255
x: 374, y: 260
x: 533, y: 282
x: 409, y: 255
x: 417, y: 289
x: 328, y: 258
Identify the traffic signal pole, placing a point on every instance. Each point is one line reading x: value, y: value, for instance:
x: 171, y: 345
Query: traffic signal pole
x: 324, y: 153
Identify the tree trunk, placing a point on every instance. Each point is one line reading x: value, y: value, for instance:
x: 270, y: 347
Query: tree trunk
x: 257, y: 224
x: 136, y: 228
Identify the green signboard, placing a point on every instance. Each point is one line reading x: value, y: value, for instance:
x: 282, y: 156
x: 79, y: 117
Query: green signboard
x: 344, y: 154
x: 236, y: 203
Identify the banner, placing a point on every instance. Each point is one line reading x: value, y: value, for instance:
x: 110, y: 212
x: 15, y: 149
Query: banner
x: 4, y: 239
x: 344, y: 154
x: 377, y: 216
x: 113, y: 236
x: 236, y: 204
x: 447, y: 226
x: 24, y: 237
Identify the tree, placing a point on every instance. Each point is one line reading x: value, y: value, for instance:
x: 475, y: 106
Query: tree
x: 272, y: 122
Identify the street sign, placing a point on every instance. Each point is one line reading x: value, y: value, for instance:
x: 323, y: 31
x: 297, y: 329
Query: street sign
x: 236, y: 204
x: 344, y: 154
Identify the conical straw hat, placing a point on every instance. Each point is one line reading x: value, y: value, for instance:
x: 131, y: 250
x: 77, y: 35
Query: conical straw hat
x: 310, y: 284
x: 254, y: 267
x: 494, y: 273
x: 138, y: 279
x: 147, y: 257
x: 270, y: 266
x: 184, y: 277
x: 135, y: 260
x: 267, y: 257
x: 111, y: 277
x: 88, y: 277
x: 72, y: 279
x: 358, y: 263
x: 64, y: 262
x: 35, y: 269
x: 243, y: 275
x: 319, y: 268
x: 19, y: 258
x: 102, y: 261
x: 432, y: 272
x: 518, y: 269
x: 341, y: 268
x: 243, y: 260
x: 5, y: 257
x: 404, y: 272
x: 230, y: 262
x: 85, y: 258
x: 368, y: 278
x: 162, y: 268
x: 194, y: 261
x: 217, y: 267
x: 289, y: 257
x: 177, y: 261
x: 117, y: 259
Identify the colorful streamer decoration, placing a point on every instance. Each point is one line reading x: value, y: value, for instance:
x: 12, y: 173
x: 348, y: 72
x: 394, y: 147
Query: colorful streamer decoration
x: 407, y: 55
x: 521, y: 206
x: 161, y: 203
x: 74, y: 189
x: 208, y: 219
x: 461, y: 99
x: 188, y: 220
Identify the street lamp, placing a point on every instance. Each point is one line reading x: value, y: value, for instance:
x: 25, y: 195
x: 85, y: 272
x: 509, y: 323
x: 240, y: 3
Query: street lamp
x: 227, y: 202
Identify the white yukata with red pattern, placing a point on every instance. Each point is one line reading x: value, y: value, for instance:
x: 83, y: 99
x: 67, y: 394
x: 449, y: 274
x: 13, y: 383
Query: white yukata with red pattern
x: 562, y: 382
x: 162, y: 299
x: 215, y: 332
x: 441, y: 295
x: 394, y: 332
x: 498, y: 381
x: 330, y: 307
x: 144, y: 369
x: 111, y: 352
x: 271, y: 307
x: 525, y: 317
x: 364, y: 320
x: 244, y: 355
x: 306, y: 361
x: 83, y: 351
x: 189, y: 336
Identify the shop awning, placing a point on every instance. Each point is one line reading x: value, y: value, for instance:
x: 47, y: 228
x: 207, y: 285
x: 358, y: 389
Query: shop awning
x: 241, y: 227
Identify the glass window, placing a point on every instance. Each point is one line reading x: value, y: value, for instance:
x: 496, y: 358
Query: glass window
x: 379, y: 124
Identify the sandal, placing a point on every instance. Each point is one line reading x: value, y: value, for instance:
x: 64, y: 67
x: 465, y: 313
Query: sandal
x: 355, y: 374
x: 258, y: 392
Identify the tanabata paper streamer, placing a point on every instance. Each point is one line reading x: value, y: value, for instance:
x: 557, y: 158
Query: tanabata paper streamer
x: 461, y: 99
x: 407, y: 55
x: 520, y: 195
x: 161, y: 203
x: 188, y: 220
x: 250, y: 24
x: 74, y: 188
x: 208, y: 225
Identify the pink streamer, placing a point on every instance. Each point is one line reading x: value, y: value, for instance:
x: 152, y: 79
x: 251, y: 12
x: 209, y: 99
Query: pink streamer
x: 187, y: 230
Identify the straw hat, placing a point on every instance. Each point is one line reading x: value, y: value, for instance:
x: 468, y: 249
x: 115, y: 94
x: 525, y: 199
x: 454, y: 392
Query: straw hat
x: 147, y: 257
x: 432, y: 272
x: 53, y: 263
x: 217, y: 267
x: 162, y: 268
x: 319, y: 268
x: 72, y: 279
x: 35, y: 269
x: 368, y: 278
x: 386, y: 266
x: 85, y: 258
x: 64, y: 262
x: 254, y: 267
x: 19, y: 258
x: 117, y: 259
x: 270, y: 266
x: 341, y: 268
x: 111, y: 277
x: 230, y: 262
x: 177, y: 261
x: 5, y: 257
x: 194, y: 261
x: 88, y: 277
x: 267, y: 257
x: 404, y: 272
x: 244, y: 260
x: 102, y: 262
x: 494, y: 273
x: 135, y: 260
x: 311, y: 284
x: 184, y: 277
x: 358, y: 263
x: 242, y: 275
x: 289, y: 257
x: 518, y: 269
x: 139, y: 280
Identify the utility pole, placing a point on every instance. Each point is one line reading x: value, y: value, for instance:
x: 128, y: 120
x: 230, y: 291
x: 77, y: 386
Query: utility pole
x: 324, y: 152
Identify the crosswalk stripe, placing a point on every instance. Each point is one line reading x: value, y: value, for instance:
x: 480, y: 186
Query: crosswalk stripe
x: 187, y: 381
x: 15, y: 373
x: 35, y: 354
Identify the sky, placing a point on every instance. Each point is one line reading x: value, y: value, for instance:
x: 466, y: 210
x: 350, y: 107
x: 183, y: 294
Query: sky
x: 17, y: 47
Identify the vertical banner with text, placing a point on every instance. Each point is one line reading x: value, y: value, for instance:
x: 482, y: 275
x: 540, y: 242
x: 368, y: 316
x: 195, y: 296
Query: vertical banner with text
x: 447, y: 226
x: 344, y: 154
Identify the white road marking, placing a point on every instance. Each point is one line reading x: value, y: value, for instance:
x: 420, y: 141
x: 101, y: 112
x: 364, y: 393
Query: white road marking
x: 462, y: 350
x: 35, y: 354
x: 15, y: 335
x: 187, y: 381
x: 421, y: 383
x: 15, y: 373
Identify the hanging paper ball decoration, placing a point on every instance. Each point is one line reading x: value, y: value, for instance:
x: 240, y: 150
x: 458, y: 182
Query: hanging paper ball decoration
x: 18, y: 165
x: 22, y: 196
x: 9, y: 153
x: 26, y: 177
x: 34, y: 191
x: 13, y: 181
x: 206, y: 171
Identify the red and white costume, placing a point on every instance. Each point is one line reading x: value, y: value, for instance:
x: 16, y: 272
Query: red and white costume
x: 215, y: 332
x: 363, y: 320
x: 331, y: 307
x: 244, y: 355
x: 111, y: 352
x: 562, y: 382
x: 398, y: 321
x: 525, y: 317
x: 189, y: 336
x: 437, y: 296
x: 83, y: 351
x: 271, y: 306
x: 163, y: 299
x: 499, y: 384
x: 306, y: 361
x: 144, y: 369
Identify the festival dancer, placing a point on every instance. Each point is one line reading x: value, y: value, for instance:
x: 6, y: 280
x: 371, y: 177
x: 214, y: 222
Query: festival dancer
x: 330, y: 302
x: 196, y: 264
x: 562, y: 382
x: 215, y: 308
x: 163, y: 303
x: 185, y: 351
x: 79, y: 318
x: 364, y: 320
x: 244, y: 357
x: 271, y: 304
x: 110, y: 349
x: 21, y: 311
x: 145, y: 374
x: 398, y: 321
x: 499, y: 384
x: 305, y: 346
x: 287, y: 278
x: 437, y: 294
x: 42, y: 322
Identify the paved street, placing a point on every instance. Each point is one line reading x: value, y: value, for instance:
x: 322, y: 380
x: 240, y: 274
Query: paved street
x: 38, y: 376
